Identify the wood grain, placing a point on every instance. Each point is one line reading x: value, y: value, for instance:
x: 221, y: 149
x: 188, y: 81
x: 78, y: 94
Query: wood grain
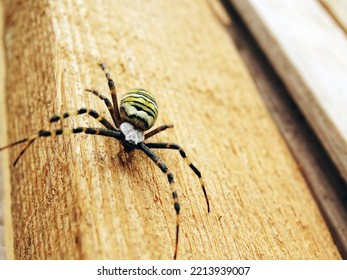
x: 5, y: 216
x: 338, y: 10
x: 73, y: 198
x: 305, y: 46
x: 323, y: 178
x: 2, y: 136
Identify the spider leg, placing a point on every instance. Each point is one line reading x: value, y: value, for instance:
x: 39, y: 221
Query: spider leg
x: 107, y: 102
x: 186, y: 159
x: 158, y: 129
x: 14, y: 144
x: 56, y: 132
x: 170, y: 178
x: 23, y: 151
x: 83, y: 111
x: 66, y: 115
x: 113, y: 92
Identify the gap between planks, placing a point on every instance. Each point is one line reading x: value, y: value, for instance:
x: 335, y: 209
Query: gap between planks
x: 125, y: 211
x: 306, y: 48
x: 323, y: 178
x: 338, y: 11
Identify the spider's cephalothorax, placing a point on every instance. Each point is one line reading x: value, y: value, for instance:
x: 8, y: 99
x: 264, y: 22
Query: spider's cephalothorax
x: 137, y: 113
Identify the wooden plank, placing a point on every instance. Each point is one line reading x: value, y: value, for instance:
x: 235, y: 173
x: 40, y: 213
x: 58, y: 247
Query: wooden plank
x: 328, y: 187
x: 5, y: 217
x: 338, y: 10
x: 2, y: 133
x: 305, y: 47
x: 73, y: 198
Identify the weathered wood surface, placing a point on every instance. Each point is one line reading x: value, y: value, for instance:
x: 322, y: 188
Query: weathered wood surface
x: 2, y: 136
x: 338, y: 10
x: 306, y: 48
x: 327, y: 186
x: 5, y: 217
x: 72, y: 196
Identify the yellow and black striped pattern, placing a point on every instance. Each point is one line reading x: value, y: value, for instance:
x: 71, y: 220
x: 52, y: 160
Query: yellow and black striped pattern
x: 187, y: 161
x: 83, y: 111
x: 56, y: 132
x: 139, y: 107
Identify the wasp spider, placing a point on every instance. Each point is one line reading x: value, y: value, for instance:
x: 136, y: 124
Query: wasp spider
x: 137, y: 113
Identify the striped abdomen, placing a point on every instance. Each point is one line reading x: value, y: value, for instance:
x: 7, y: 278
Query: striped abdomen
x: 139, y: 107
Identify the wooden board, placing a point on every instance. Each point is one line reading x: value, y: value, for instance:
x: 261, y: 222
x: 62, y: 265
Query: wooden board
x: 5, y: 217
x: 73, y: 198
x: 2, y: 136
x: 338, y: 10
x: 327, y: 186
x: 306, y: 48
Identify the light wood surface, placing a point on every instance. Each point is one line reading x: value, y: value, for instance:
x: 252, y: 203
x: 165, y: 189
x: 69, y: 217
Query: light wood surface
x: 327, y: 186
x: 73, y: 198
x: 2, y: 136
x: 5, y: 216
x: 307, y: 48
x: 338, y: 10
